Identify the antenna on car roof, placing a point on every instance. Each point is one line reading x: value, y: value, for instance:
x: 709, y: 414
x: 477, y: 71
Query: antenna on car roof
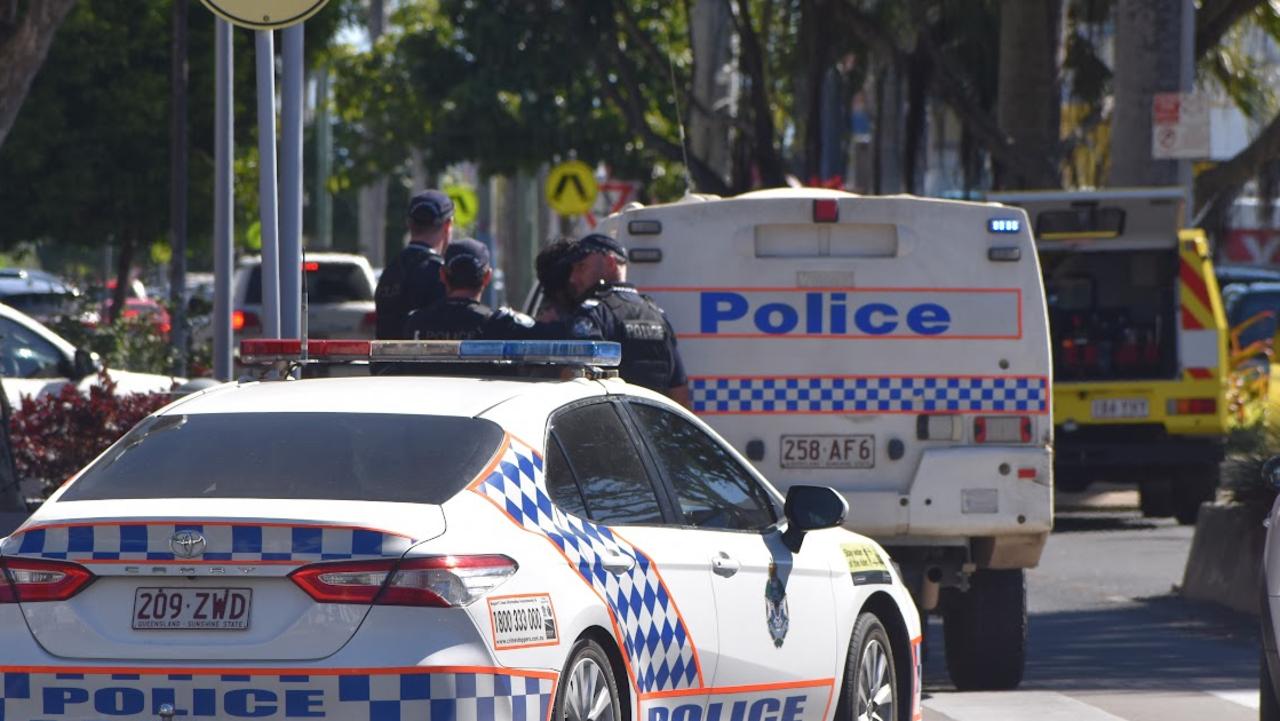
x: 302, y: 328
x: 684, y: 143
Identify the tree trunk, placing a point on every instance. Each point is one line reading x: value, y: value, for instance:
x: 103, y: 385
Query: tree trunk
x: 124, y: 268
x: 1148, y: 61
x: 915, y: 143
x: 1029, y: 98
x: 23, y: 48
x: 767, y: 158
x: 713, y: 85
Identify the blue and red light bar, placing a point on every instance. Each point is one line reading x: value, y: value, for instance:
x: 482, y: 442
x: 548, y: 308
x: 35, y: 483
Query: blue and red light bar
x: 538, y: 352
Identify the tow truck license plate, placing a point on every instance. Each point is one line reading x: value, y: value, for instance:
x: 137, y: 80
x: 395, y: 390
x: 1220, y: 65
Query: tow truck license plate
x: 828, y: 451
x: 185, y: 609
x: 1121, y: 408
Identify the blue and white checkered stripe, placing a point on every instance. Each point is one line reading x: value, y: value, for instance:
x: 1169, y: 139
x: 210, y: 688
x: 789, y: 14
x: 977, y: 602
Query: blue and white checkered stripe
x: 400, y: 696
x: 223, y: 542
x: 871, y: 394
x: 656, y: 640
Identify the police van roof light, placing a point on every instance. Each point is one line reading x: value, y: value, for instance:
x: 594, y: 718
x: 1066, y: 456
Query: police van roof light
x: 826, y: 210
x: 576, y: 353
x: 1004, y: 254
x: 1004, y: 225
x: 644, y: 227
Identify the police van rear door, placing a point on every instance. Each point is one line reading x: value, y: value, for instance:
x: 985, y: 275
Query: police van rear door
x: 834, y: 339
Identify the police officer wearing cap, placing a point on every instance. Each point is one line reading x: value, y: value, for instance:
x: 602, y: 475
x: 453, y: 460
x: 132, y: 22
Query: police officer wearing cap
x: 412, y: 279
x: 460, y: 315
x: 612, y: 309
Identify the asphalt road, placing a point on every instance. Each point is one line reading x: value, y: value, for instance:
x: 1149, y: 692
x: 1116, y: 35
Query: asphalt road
x: 1110, y: 639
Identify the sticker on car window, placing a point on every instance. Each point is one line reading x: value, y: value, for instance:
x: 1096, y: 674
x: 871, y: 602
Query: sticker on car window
x: 866, y: 564
x: 523, y: 621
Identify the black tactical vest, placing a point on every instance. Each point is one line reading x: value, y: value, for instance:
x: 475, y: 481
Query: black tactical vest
x: 638, y: 324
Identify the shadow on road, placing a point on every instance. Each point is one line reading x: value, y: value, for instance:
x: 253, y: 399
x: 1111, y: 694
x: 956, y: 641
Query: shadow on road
x: 1079, y: 522
x: 1160, y: 644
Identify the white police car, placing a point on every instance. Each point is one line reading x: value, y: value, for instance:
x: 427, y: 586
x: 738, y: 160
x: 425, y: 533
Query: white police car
x: 448, y: 549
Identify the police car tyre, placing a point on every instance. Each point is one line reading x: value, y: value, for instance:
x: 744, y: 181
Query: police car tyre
x: 1195, y: 484
x: 870, y: 689
x: 588, y: 690
x: 985, y: 629
x: 1268, y: 705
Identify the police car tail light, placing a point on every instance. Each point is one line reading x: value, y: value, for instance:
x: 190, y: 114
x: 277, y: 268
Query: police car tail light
x: 25, y: 580
x: 826, y: 210
x: 440, y: 581
x: 450, y: 580
x: 1002, y: 429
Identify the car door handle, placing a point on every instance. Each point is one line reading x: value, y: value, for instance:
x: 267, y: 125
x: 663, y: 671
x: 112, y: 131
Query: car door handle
x: 724, y: 565
x: 618, y: 563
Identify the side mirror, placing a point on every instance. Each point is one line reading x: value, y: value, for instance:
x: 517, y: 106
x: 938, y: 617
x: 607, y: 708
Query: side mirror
x: 1271, y: 472
x: 811, y: 508
x: 85, y: 364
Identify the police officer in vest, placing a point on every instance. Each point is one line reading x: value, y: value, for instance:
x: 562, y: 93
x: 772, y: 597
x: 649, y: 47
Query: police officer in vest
x: 412, y: 279
x: 612, y: 309
x: 460, y: 315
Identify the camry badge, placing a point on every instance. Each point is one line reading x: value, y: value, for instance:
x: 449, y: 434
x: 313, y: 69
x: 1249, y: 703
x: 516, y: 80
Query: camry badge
x: 187, y: 544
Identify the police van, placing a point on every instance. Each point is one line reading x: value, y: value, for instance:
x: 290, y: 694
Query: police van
x: 1140, y: 344
x: 894, y: 348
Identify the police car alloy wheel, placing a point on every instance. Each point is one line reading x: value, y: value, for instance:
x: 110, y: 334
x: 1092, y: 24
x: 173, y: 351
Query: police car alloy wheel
x: 870, y: 689
x: 591, y: 691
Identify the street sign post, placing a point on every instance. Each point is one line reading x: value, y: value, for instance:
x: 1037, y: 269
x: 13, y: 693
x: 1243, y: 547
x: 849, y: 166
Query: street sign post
x: 571, y: 188
x: 264, y: 14
x: 1180, y: 126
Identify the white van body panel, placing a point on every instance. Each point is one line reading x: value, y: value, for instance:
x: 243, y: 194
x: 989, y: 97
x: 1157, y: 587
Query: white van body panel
x: 857, y: 329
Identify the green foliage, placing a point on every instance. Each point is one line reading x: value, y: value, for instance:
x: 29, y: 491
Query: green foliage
x: 133, y: 344
x: 1248, y: 448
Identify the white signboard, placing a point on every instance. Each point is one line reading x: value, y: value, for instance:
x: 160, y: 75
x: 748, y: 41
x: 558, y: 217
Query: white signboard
x: 1180, y: 126
x: 264, y: 14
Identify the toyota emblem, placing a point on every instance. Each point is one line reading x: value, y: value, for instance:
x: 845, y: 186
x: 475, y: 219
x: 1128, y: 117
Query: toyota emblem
x: 187, y: 544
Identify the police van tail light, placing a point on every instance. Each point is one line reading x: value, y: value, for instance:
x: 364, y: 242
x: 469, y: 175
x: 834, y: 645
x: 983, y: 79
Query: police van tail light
x: 939, y: 428
x: 1002, y: 429
x: 826, y: 210
x: 25, y: 580
x: 438, y: 581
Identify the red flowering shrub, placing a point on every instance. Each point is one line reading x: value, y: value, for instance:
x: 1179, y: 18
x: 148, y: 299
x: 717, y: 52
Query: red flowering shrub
x: 56, y: 435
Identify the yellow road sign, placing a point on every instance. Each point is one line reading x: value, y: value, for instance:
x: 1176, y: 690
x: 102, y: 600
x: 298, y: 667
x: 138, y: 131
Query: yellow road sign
x: 465, y: 204
x: 264, y: 14
x: 571, y: 188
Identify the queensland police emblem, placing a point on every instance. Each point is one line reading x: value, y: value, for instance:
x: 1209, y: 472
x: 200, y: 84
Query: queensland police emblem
x: 775, y: 606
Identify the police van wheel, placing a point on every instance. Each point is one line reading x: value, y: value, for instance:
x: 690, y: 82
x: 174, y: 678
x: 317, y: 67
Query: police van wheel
x: 1194, y: 485
x: 588, y: 690
x: 985, y: 631
x: 870, y: 688
x: 1155, y: 495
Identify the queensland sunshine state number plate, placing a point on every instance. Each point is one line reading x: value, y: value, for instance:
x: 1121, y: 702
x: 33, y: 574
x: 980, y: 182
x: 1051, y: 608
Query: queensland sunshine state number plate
x: 828, y: 451
x: 204, y: 609
x: 1120, y: 408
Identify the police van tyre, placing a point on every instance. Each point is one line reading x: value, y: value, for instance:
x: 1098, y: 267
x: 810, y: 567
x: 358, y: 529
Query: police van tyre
x: 588, y: 691
x: 985, y: 631
x: 1194, y: 485
x: 870, y: 688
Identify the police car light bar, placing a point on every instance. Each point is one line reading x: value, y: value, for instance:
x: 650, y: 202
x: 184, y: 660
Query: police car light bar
x: 559, y: 352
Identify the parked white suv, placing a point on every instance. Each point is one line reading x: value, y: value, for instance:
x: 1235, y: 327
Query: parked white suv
x: 339, y: 289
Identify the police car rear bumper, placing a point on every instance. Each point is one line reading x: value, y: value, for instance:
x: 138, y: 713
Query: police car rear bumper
x: 389, y: 673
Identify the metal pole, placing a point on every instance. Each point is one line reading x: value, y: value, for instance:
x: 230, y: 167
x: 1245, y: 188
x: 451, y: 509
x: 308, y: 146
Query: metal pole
x: 268, y: 211
x: 291, y: 185
x: 223, y: 201
x: 178, y: 189
x: 324, y: 163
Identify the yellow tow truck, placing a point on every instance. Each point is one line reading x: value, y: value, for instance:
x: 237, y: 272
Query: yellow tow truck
x: 1139, y: 335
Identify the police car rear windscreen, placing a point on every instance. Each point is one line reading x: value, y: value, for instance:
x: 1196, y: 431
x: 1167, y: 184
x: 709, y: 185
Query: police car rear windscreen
x: 347, y: 456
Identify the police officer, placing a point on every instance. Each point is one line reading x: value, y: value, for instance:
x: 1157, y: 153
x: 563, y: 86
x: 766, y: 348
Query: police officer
x: 553, y: 265
x: 612, y: 309
x: 460, y: 315
x: 412, y: 279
